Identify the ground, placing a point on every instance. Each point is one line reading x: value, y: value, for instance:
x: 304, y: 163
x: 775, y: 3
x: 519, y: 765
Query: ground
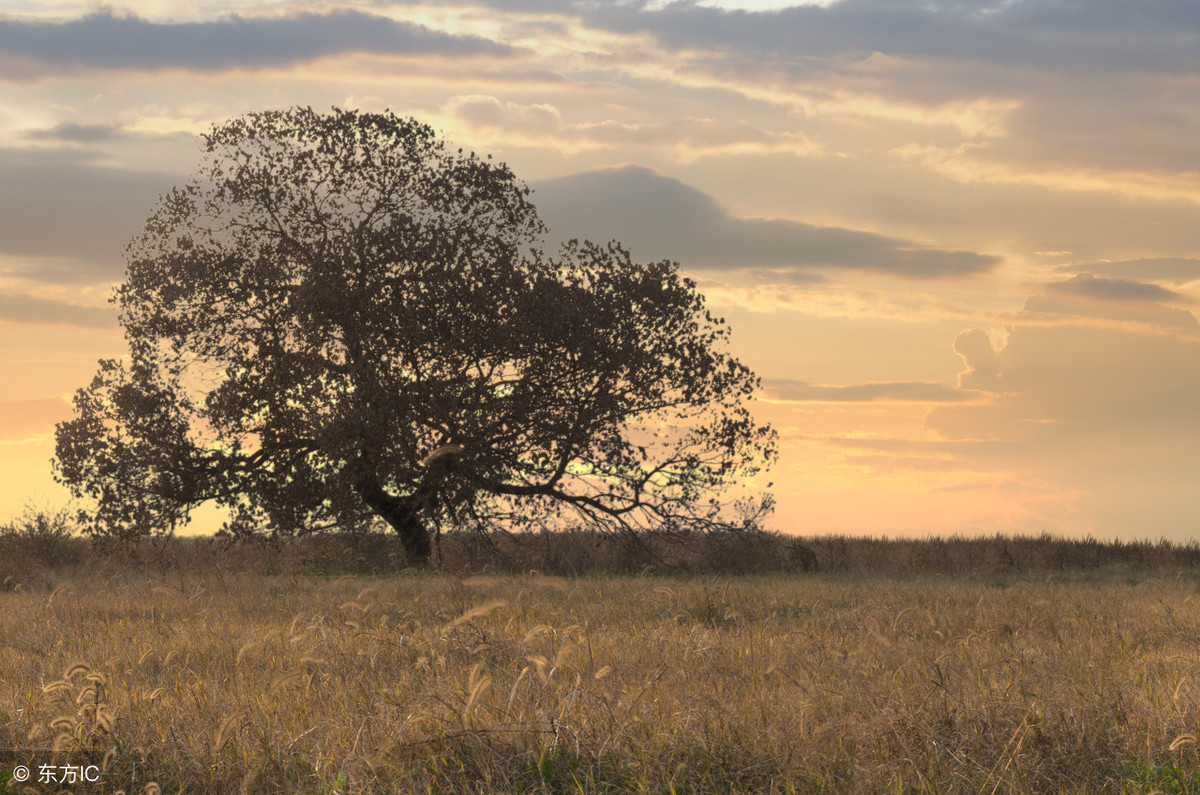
x: 295, y: 679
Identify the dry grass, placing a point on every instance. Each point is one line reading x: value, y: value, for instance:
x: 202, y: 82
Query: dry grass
x: 213, y: 680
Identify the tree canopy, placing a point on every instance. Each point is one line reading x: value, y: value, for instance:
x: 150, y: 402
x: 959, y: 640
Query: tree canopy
x: 341, y: 319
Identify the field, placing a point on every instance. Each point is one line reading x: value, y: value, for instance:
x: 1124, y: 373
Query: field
x: 1037, y: 666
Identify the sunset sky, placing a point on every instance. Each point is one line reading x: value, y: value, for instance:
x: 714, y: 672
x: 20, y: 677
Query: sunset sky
x: 959, y: 240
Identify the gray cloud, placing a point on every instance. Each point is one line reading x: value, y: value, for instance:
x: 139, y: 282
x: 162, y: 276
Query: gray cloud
x: 919, y: 391
x: 1153, y: 314
x: 71, y: 132
x: 789, y: 276
x: 1177, y: 270
x: 1085, y: 285
x: 1106, y: 34
x: 29, y: 309
x: 1085, y: 295
x: 107, y: 40
x: 1110, y: 35
x: 1083, y: 77
x: 64, y: 206
x: 659, y: 217
x: 1086, y: 74
x: 72, y: 218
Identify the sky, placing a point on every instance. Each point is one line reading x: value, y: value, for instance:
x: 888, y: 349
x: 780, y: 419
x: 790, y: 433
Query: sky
x: 959, y: 240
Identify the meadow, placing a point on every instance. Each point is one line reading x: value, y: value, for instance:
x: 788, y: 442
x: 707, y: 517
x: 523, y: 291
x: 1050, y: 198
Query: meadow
x: 318, y: 666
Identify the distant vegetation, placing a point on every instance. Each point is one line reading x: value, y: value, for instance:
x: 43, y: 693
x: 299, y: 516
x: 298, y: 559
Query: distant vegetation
x: 38, y: 543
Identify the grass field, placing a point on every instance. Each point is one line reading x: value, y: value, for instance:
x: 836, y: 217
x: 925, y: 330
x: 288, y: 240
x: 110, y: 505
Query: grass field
x: 278, y: 675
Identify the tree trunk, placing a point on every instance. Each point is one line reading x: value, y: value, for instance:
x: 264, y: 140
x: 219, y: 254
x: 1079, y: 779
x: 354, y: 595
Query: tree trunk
x: 403, y: 514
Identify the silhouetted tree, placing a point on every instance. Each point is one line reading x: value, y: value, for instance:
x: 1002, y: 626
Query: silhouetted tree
x: 339, y: 319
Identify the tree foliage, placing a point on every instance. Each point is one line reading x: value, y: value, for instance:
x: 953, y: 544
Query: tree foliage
x: 340, y: 319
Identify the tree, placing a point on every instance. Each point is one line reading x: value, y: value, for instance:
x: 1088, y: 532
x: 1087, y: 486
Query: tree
x: 339, y: 319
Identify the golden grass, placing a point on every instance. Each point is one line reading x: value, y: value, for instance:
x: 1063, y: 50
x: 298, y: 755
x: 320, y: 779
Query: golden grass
x: 223, y: 682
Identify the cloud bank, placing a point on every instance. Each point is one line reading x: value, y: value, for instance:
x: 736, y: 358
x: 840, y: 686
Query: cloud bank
x: 1177, y: 270
x: 1088, y: 296
x: 108, y: 40
x: 659, y: 217
x: 1077, y: 35
x: 68, y: 218
x: 31, y: 309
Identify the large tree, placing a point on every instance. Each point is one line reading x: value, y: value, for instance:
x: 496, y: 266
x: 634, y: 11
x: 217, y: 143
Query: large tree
x: 340, y: 319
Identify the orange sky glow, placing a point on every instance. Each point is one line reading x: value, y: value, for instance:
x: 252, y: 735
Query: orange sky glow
x: 959, y: 241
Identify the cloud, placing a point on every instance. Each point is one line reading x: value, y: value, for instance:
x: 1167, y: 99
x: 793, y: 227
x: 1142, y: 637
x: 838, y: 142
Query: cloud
x: 1070, y: 95
x: 918, y: 391
x: 1106, y: 412
x: 72, y: 132
x: 694, y: 138
x: 1177, y: 270
x: 30, y: 309
x: 983, y: 364
x: 1082, y: 381
x: 774, y: 277
x: 1085, y: 285
x: 69, y: 215
x: 1071, y: 34
x: 488, y: 113
x: 1085, y: 295
x: 682, y: 139
x: 659, y: 217
x: 108, y: 40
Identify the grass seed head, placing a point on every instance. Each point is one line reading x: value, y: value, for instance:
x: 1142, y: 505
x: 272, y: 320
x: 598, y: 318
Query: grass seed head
x: 77, y: 668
